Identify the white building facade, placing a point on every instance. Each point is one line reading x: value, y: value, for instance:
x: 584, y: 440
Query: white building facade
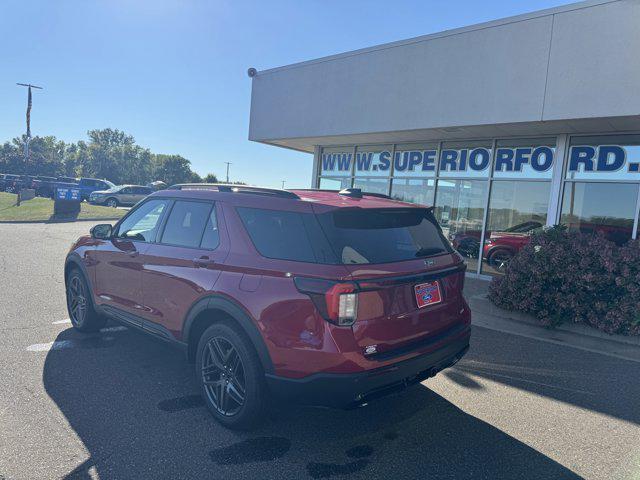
x: 504, y: 127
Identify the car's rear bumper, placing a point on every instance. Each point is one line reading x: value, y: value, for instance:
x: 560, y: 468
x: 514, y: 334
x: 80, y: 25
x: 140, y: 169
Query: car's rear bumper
x: 344, y: 390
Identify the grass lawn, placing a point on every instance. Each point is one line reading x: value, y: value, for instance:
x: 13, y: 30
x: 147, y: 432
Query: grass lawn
x: 41, y: 210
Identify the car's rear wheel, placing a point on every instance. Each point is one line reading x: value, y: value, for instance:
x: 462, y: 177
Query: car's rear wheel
x: 82, y: 313
x: 231, y: 377
x: 112, y: 202
x: 500, y: 259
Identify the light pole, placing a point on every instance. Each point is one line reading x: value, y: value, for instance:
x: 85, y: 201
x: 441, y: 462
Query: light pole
x: 228, y: 163
x: 283, y: 184
x: 29, y: 102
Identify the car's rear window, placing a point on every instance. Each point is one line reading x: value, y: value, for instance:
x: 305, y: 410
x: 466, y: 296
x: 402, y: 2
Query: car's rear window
x: 347, y: 236
x: 360, y: 236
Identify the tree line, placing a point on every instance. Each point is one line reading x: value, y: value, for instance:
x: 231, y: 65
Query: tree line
x: 107, y: 153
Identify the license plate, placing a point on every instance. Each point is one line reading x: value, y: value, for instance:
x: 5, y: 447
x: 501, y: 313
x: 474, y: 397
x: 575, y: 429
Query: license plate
x: 427, y: 294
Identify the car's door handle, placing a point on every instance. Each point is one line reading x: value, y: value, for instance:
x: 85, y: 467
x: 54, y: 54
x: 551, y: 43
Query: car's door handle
x: 203, y: 262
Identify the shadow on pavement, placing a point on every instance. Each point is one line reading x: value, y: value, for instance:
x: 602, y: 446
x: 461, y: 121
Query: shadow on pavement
x: 132, y: 402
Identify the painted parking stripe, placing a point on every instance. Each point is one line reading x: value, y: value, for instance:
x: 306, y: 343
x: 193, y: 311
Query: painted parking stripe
x: 62, y: 322
x: 45, y: 347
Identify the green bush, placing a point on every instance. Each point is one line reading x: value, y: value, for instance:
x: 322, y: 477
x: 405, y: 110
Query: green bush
x: 562, y: 276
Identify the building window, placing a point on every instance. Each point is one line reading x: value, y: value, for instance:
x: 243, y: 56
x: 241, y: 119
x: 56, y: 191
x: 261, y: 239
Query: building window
x: 516, y: 210
x: 602, y: 185
x: 465, y: 160
x: 336, y: 161
x: 372, y: 185
x: 460, y: 208
x: 608, y: 208
x: 415, y: 160
x: 525, y: 159
x: 327, y: 183
x: 414, y: 190
x: 373, y: 161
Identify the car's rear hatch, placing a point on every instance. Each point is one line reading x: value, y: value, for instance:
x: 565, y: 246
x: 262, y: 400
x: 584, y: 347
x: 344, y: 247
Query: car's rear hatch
x: 408, y: 277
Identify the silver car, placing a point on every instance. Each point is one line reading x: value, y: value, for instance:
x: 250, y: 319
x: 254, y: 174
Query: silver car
x: 119, y: 195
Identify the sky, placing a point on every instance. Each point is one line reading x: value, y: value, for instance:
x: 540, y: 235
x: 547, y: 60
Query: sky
x: 173, y: 73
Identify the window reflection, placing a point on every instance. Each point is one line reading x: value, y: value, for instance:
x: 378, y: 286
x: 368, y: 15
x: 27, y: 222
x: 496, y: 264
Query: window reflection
x: 600, y: 207
x: 334, y: 183
x: 413, y: 190
x: 460, y: 211
x: 372, y: 185
x: 516, y: 210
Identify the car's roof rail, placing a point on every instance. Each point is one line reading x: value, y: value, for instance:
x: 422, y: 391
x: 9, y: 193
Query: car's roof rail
x: 234, y: 188
x: 347, y: 192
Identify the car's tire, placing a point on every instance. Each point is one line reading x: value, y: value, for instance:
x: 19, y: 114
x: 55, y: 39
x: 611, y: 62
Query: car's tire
x: 231, y: 377
x: 112, y: 202
x: 500, y: 258
x: 82, y: 312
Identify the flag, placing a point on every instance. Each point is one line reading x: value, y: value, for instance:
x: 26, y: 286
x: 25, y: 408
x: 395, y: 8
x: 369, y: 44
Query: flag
x: 29, y: 114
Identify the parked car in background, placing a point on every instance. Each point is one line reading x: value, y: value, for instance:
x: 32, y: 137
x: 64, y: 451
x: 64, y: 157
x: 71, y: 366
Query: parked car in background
x: 88, y: 185
x: 318, y: 297
x: 502, y: 246
x: 119, y: 195
x: 44, y: 186
x: 8, y: 182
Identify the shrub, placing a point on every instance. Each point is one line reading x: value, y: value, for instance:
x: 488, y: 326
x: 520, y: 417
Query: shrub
x: 562, y: 276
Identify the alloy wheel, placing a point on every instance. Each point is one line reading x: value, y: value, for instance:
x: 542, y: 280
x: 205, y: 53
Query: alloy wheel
x: 76, y: 300
x: 223, y: 376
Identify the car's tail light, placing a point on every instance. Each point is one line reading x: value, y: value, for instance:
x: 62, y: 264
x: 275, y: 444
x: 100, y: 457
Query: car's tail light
x: 337, y: 302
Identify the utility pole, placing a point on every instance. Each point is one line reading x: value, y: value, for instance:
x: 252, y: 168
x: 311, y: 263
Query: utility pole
x: 228, y: 163
x: 26, y: 145
x: 283, y: 184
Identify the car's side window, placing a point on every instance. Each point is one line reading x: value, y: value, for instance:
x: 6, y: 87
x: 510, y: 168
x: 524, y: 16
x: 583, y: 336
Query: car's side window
x: 186, y: 223
x: 126, y: 190
x: 211, y: 237
x: 143, y: 222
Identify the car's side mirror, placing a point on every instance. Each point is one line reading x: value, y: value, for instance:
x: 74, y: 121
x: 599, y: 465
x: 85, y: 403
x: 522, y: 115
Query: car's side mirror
x: 102, y: 231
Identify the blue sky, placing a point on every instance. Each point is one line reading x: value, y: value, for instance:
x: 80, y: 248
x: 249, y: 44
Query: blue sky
x: 173, y: 73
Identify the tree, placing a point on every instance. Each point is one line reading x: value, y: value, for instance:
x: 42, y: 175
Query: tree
x: 210, y: 178
x: 172, y: 169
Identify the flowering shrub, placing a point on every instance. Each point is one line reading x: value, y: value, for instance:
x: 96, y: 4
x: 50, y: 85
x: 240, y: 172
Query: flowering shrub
x: 562, y: 276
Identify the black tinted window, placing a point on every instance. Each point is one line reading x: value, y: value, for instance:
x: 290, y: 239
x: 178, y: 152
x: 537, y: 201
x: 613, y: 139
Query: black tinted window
x: 383, y: 235
x: 186, y: 223
x: 286, y: 235
x: 211, y: 237
x: 143, y: 222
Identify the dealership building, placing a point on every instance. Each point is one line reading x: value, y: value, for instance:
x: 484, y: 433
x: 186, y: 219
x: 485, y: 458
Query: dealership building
x: 503, y: 127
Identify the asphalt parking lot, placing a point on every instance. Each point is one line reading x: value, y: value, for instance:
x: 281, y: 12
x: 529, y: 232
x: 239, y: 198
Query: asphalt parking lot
x: 120, y: 405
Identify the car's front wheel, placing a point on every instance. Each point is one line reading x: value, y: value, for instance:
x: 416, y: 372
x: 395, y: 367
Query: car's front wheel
x: 82, y: 314
x: 231, y: 377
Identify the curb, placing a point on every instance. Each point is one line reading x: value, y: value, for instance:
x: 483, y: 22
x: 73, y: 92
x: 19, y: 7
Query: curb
x: 487, y: 315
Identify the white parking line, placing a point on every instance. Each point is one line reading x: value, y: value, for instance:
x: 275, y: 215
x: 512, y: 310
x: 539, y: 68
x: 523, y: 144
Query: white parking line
x: 45, y: 347
x: 61, y: 322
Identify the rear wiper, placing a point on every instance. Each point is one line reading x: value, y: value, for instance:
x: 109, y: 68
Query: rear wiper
x: 425, y: 252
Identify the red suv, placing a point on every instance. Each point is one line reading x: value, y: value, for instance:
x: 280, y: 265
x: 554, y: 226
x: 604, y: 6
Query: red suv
x: 324, y: 297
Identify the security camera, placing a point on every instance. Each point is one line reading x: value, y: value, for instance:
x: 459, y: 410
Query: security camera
x: 252, y: 72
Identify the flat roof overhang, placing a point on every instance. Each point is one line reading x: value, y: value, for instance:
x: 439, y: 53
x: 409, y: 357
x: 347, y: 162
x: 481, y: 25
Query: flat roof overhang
x: 572, y: 69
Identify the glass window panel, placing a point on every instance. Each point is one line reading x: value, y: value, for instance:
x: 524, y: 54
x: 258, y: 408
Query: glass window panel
x: 600, y: 207
x: 373, y: 161
x: 460, y: 208
x: 143, y: 222
x: 465, y: 160
x: 413, y: 190
x: 415, y: 160
x: 608, y: 157
x: 516, y: 210
x: 186, y: 223
x: 372, y: 185
x: 526, y: 158
x: 335, y: 183
x: 336, y: 161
